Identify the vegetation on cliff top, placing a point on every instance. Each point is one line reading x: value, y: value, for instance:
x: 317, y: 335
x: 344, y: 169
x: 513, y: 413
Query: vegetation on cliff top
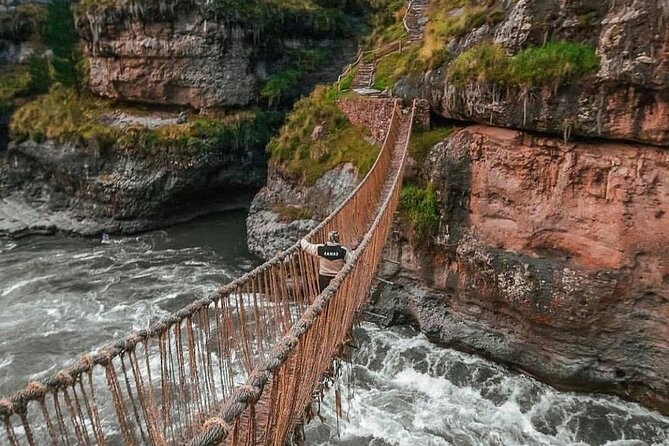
x: 386, y: 22
x: 66, y: 117
x: 53, y: 27
x: 551, y: 64
x: 308, y: 156
x: 23, y: 23
x: 449, y: 19
x: 419, y: 208
x: 263, y: 17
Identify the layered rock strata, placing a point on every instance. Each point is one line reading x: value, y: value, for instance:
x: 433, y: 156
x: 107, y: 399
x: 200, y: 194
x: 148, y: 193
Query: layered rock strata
x: 627, y: 98
x: 550, y: 257
x: 178, y: 53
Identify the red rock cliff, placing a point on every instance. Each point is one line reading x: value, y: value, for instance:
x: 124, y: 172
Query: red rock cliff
x: 551, y: 257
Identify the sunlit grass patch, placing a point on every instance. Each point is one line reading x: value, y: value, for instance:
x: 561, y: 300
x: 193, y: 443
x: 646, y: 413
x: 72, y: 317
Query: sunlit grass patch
x: 551, y: 64
x: 298, y: 154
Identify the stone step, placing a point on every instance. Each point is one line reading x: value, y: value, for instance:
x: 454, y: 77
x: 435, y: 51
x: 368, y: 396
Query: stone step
x: 365, y: 76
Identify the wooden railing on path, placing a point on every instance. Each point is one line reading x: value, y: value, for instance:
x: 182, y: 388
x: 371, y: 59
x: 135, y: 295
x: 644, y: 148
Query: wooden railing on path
x: 270, y: 329
x: 377, y: 53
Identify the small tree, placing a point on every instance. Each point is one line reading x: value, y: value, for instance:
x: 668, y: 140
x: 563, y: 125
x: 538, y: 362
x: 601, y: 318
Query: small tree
x: 62, y: 38
x: 40, y: 78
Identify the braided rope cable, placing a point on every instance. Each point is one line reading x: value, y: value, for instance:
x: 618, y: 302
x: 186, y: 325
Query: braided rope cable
x: 261, y: 367
x: 237, y: 403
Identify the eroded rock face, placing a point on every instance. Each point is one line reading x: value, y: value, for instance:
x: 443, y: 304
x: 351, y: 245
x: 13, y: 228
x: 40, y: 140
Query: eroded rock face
x: 176, y: 58
x: 177, y: 53
x: 58, y: 186
x: 628, y: 97
x: 269, y: 234
x: 551, y: 257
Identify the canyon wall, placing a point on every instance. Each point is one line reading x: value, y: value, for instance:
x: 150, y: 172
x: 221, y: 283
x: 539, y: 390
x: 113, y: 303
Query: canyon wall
x: 181, y: 59
x: 180, y: 53
x: 626, y: 98
x: 550, y: 257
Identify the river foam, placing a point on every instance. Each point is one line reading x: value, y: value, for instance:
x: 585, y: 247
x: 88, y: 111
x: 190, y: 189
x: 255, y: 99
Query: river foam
x: 408, y: 392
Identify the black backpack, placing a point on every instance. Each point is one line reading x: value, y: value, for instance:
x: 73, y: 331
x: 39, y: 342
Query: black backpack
x: 332, y: 252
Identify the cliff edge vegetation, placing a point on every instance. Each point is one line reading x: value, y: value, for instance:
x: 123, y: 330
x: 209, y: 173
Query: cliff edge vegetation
x: 65, y: 117
x: 317, y: 137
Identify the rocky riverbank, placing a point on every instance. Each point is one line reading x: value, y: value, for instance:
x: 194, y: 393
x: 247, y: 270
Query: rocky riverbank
x: 53, y: 187
x: 549, y: 257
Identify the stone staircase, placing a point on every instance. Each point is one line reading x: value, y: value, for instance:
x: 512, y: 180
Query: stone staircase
x: 416, y: 20
x: 364, y: 78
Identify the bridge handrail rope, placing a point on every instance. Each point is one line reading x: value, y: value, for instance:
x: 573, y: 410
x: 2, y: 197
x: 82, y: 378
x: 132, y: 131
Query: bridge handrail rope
x: 390, y: 47
x: 67, y: 401
x: 295, y: 350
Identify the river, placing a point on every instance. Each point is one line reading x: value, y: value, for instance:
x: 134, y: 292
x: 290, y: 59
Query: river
x: 62, y: 296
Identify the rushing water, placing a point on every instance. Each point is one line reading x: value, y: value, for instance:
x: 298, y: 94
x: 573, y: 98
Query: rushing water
x: 407, y: 392
x: 60, y: 297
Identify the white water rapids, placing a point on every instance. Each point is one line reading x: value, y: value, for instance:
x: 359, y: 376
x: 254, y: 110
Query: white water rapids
x: 62, y: 296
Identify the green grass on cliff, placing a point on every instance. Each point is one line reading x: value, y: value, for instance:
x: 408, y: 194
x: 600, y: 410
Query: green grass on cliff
x: 554, y: 63
x: 386, y: 22
x: 394, y: 66
x: 419, y: 208
x: 14, y: 81
x: 423, y: 140
x: 449, y: 19
x: 294, y: 151
x: 65, y: 117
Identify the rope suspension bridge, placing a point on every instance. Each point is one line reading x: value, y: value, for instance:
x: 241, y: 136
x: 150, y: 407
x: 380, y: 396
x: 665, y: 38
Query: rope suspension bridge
x: 175, y: 383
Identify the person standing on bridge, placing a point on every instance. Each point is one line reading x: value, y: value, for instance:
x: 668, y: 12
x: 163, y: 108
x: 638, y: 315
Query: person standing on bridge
x: 332, y: 258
